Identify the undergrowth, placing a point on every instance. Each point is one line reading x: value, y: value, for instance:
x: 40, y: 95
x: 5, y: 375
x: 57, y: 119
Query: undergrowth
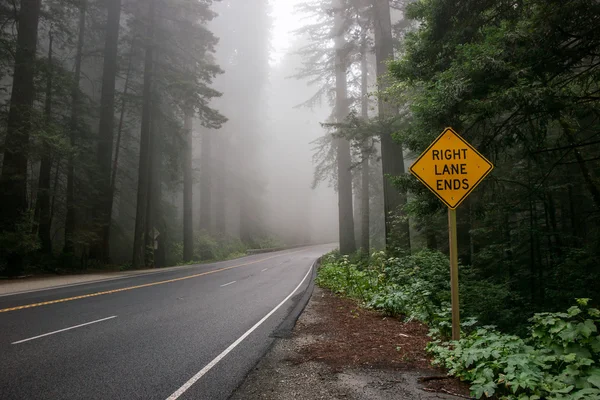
x: 557, y: 359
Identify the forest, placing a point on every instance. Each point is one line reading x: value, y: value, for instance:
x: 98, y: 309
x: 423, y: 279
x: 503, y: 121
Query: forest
x: 118, y: 147
x: 131, y: 136
x: 139, y: 134
x: 520, y: 81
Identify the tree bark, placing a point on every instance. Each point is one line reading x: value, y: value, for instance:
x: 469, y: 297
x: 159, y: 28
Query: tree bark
x: 75, y: 110
x: 101, y: 249
x: 156, y: 194
x: 13, y: 180
x: 115, y: 164
x: 247, y: 215
x: 188, y: 205
x: 346, y: 217
x: 392, y: 157
x: 54, y: 189
x: 356, y: 204
x: 220, y: 186
x: 151, y: 206
x: 205, y: 180
x: 139, y: 240
x: 365, y: 183
x: 43, y: 196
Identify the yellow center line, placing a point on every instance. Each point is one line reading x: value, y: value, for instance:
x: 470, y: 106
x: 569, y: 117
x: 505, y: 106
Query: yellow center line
x: 85, y: 296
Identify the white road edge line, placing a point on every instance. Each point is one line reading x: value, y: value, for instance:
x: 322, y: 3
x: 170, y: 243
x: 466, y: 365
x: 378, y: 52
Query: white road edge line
x: 264, y: 270
x: 63, y: 330
x: 227, y: 284
x: 233, y: 345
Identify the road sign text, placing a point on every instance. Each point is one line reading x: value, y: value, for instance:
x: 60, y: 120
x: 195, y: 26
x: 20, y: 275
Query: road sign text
x: 451, y: 168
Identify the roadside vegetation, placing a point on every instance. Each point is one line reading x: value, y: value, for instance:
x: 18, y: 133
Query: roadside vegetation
x: 555, y: 356
x: 220, y: 247
x: 520, y: 81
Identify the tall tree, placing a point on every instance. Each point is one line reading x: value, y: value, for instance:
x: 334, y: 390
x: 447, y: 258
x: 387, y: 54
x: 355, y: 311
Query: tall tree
x: 73, y: 128
x: 520, y: 84
x: 101, y: 248
x: 151, y: 198
x: 244, y: 40
x: 346, y: 218
x: 220, y: 184
x: 13, y: 181
x: 188, y: 183
x: 120, y: 127
x: 43, y: 198
x: 365, y: 146
x: 140, y: 235
x: 329, y: 67
x: 158, y: 229
x: 206, y: 180
x: 181, y: 73
x: 392, y: 157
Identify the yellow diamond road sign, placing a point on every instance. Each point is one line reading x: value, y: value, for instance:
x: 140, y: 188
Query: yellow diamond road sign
x: 451, y: 168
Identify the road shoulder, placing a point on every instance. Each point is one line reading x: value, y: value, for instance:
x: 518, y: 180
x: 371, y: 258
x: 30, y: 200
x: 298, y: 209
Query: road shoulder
x: 34, y: 283
x: 339, y: 351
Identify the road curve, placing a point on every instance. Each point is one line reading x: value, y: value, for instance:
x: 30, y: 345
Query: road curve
x: 188, y: 333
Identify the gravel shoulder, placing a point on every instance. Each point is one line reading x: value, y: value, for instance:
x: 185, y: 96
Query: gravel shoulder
x: 340, y: 351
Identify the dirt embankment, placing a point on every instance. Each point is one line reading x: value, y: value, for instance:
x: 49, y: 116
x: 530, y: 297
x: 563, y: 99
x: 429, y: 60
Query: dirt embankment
x: 340, y: 351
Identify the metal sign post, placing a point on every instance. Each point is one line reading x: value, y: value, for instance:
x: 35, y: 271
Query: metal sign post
x: 451, y: 168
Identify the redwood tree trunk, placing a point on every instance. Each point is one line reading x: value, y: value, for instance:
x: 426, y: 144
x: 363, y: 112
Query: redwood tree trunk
x: 70, y: 217
x: 356, y: 205
x: 392, y: 158
x: 220, y: 185
x: 139, y: 240
x: 13, y: 181
x: 188, y: 213
x: 43, y: 196
x: 205, y: 180
x: 160, y: 258
x: 346, y: 218
x: 101, y: 249
x: 364, y: 206
x: 54, y: 189
x: 115, y: 164
x: 151, y: 201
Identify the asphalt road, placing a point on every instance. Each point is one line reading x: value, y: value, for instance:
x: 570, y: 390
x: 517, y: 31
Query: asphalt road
x: 189, y: 333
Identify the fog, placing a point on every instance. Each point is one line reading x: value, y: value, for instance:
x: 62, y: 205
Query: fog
x: 288, y: 163
x: 291, y: 209
x: 154, y: 133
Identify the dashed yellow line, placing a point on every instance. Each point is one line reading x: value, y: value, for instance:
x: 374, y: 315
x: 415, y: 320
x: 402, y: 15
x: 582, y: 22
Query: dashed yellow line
x: 85, y: 296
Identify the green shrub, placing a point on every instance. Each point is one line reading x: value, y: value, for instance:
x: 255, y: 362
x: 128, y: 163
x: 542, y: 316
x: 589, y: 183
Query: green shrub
x: 175, y: 253
x: 267, y: 243
x: 559, y: 359
x: 417, y: 285
x: 206, y: 247
x: 209, y: 247
x: 343, y: 277
x: 22, y: 241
